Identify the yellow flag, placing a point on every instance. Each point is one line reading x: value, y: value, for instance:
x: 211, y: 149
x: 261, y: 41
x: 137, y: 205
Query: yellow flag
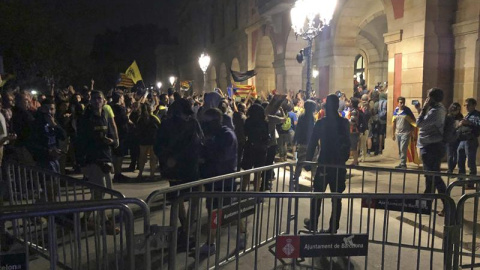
x: 133, y: 72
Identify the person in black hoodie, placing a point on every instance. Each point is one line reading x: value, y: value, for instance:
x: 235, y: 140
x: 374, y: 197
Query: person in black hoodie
x: 333, y: 133
x: 177, y: 147
x: 219, y: 158
x: 256, y: 144
x: 303, y: 132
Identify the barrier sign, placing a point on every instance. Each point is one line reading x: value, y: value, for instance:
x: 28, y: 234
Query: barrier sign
x: 405, y: 205
x: 328, y: 245
x: 230, y: 213
x: 13, y: 261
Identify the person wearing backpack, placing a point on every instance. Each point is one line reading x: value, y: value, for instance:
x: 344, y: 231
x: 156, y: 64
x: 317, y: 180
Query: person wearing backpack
x: 333, y: 133
x: 453, y: 118
x: 403, y: 123
x: 286, y: 131
x: 382, y: 118
x: 431, y: 123
x: 468, y: 132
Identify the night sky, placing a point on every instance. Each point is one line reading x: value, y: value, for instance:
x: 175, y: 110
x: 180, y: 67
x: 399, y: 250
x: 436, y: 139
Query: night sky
x: 85, y: 30
x: 83, y: 19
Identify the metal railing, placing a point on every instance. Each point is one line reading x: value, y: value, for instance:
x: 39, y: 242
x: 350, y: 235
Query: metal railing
x: 467, y: 254
x: 249, y: 256
x: 79, y: 235
x: 383, y: 180
x: 31, y: 185
x: 160, y: 200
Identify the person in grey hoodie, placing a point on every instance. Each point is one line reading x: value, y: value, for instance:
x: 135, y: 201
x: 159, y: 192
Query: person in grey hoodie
x: 431, y: 123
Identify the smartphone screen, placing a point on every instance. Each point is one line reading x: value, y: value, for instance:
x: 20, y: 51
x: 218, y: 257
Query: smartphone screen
x: 415, y: 102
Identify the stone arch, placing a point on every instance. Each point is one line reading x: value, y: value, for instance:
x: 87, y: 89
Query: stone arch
x: 223, y: 78
x: 212, y: 79
x: 265, y: 56
x: 359, y: 26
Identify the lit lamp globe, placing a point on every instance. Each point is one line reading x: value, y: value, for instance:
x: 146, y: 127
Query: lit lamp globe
x: 309, y: 18
x: 204, y: 62
x: 159, y: 85
x: 172, y: 80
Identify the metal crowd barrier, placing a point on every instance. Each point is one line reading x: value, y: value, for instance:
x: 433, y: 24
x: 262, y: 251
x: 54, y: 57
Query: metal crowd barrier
x: 353, y: 246
x: 467, y: 249
x: 76, y: 235
x: 362, y: 179
x: 32, y: 185
x: 160, y: 200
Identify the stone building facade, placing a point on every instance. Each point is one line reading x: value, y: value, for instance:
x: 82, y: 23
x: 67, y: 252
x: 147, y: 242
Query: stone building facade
x: 411, y: 44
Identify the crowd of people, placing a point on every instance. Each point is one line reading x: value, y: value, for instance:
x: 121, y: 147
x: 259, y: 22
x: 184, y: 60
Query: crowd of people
x: 200, y: 136
x: 56, y: 124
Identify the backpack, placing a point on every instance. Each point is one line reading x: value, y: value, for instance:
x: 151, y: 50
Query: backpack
x: 382, y: 110
x: 449, y: 131
x: 287, y: 125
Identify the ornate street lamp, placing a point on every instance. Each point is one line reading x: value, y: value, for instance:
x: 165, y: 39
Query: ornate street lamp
x: 204, y: 62
x: 309, y: 17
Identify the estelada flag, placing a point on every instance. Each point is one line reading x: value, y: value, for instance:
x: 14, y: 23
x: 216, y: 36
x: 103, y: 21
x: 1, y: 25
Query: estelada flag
x: 242, y: 90
x: 412, y: 154
x: 133, y: 72
x: 124, y: 81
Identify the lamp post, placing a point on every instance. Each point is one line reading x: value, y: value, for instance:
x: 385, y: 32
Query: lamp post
x: 204, y: 62
x: 309, y: 17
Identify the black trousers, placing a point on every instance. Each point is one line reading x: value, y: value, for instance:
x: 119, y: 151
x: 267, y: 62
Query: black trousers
x: 432, y: 158
x: 335, y: 179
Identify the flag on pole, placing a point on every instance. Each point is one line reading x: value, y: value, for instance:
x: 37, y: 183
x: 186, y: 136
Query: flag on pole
x: 125, y: 81
x: 133, y: 72
x: 242, y: 90
x: 186, y: 85
x: 242, y: 76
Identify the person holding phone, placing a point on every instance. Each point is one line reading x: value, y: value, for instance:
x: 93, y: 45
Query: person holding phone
x: 431, y: 123
x: 44, y: 142
x: 403, y: 124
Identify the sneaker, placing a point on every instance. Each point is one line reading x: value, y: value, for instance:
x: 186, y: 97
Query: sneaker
x: 207, y: 249
x: 401, y: 166
x: 308, y: 224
